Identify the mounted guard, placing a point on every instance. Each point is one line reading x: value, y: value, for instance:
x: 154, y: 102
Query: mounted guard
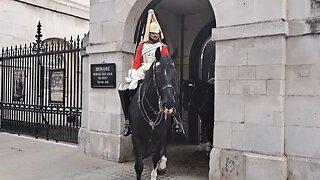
x: 144, y: 57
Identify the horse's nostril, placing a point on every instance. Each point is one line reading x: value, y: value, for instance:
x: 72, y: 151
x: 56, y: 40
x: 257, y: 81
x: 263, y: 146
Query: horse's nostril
x: 168, y: 105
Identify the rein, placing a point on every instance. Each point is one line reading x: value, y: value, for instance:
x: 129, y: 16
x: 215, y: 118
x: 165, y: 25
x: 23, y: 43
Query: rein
x: 142, y: 97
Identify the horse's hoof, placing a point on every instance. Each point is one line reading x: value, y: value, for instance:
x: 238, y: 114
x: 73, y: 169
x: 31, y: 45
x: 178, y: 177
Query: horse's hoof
x: 161, y: 171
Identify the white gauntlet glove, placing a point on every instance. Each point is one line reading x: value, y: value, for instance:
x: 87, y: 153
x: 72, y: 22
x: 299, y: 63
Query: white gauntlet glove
x: 136, y: 75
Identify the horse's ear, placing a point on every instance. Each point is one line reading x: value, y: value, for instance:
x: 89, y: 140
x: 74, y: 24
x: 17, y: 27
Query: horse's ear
x: 158, y: 54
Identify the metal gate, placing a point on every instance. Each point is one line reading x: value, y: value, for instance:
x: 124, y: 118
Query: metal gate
x: 41, y: 89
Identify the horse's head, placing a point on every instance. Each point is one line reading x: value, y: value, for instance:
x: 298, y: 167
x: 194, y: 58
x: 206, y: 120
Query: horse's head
x: 196, y: 94
x: 164, y: 78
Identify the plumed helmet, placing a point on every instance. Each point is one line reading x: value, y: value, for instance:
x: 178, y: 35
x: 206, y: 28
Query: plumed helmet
x: 152, y: 26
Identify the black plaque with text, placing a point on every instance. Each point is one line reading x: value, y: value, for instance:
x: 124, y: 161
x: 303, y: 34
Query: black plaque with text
x: 103, y: 75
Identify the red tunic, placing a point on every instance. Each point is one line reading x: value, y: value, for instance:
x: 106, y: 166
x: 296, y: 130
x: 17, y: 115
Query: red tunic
x: 139, y: 58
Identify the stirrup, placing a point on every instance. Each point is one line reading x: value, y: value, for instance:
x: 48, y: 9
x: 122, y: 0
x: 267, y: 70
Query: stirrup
x: 127, y: 130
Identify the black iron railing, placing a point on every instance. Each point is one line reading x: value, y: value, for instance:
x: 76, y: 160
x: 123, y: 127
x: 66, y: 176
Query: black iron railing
x: 41, y: 88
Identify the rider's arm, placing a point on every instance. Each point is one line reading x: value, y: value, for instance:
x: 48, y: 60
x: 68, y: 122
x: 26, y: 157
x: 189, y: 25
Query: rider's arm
x: 138, y: 58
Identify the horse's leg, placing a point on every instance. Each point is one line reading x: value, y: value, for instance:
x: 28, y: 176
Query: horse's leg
x: 163, y: 161
x: 207, y: 119
x: 162, y: 167
x: 210, y: 129
x: 137, y: 148
x: 155, y: 160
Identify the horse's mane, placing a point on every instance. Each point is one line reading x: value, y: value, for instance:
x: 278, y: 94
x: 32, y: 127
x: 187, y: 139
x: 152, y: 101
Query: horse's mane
x: 149, y: 72
x: 164, y: 61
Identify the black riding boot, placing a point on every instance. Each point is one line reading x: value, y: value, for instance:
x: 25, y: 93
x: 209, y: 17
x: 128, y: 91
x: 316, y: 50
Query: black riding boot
x: 125, y: 102
x: 177, y: 124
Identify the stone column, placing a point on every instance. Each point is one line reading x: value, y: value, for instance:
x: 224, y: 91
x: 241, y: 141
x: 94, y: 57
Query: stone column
x: 102, y: 124
x: 302, y: 107
x: 249, y: 90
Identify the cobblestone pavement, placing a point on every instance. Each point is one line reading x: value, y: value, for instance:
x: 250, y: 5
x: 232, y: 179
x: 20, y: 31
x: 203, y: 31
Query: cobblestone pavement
x: 29, y: 159
x: 184, y: 163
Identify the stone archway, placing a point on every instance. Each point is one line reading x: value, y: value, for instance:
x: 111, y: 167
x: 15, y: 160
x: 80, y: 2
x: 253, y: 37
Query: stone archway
x: 197, y: 134
x: 181, y: 22
x: 111, y: 40
x: 251, y: 54
x: 112, y: 28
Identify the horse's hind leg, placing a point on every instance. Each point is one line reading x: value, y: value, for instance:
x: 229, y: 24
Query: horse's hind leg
x: 137, y: 148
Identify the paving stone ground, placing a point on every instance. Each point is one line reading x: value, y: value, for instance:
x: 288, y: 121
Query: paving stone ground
x: 27, y: 158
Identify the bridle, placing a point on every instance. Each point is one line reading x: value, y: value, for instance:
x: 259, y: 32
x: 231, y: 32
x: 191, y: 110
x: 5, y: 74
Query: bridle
x: 142, y: 98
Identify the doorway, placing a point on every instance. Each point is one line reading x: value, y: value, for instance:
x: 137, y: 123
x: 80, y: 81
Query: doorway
x: 187, y: 26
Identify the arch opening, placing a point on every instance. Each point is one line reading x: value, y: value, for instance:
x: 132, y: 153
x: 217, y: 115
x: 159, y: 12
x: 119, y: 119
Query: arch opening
x: 187, y: 26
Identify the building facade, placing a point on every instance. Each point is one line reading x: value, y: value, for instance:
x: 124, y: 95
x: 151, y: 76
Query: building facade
x: 266, y: 88
x: 59, y: 19
x: 266, y: 74
x: 37, y: 38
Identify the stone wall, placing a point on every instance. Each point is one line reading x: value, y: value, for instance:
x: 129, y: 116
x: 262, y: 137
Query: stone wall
x: 302, y: 127
x: 112, y: 26
x: 267, y: 94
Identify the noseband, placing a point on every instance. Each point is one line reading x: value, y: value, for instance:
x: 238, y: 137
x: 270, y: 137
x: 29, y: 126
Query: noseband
x: 160, y: 112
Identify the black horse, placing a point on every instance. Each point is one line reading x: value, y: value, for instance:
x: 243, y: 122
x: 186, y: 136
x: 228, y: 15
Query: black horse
x: 198, y: 98
x: 150, y: 113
